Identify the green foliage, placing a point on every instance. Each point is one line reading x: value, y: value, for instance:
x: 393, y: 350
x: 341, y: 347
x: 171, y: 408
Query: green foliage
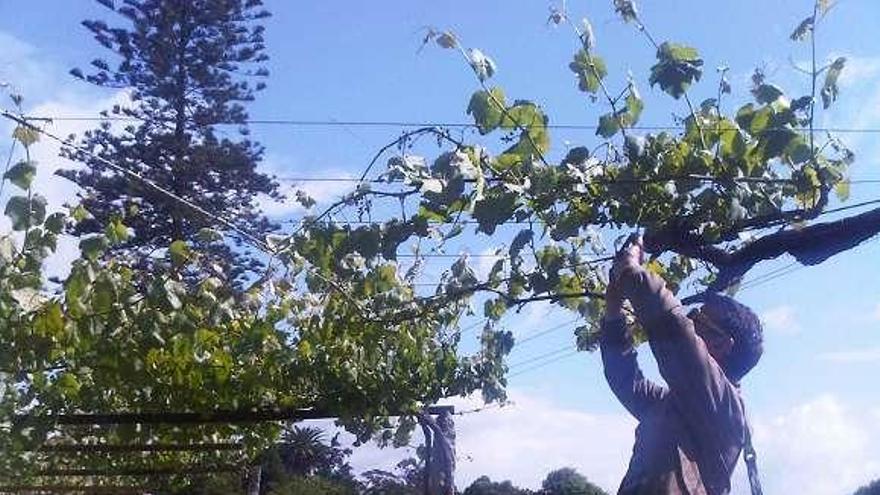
x: 26, y: 212
x: 21, y: 174
x: 187, y: 68
x: 590, y: 70
x: 408, y: 478
x: 487, y: 110
x: 25, y: 135
x: 301, y: 485
x: 485, y: 486
x: 303, y: 451
x: 341, y: 322
x: 677, y: 67
x: 567, y: 481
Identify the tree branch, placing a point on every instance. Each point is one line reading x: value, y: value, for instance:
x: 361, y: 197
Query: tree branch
x: 810, y: 245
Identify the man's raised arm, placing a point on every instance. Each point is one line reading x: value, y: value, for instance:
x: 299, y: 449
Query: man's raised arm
x: 619, y: 358
x: 696, y: 380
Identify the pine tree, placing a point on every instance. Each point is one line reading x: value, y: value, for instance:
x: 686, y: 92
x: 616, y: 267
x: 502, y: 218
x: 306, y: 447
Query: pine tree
x: 189, y: 67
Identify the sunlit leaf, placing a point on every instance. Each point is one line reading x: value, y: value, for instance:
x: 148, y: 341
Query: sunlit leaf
x: 677, y: 67
x: 588, y: 38
x: 50, y: 321
x: 26, y: 135
x: 487, y: 109
x: 180, y: 252
x: 116, y: 231
x: 841, y: 189
x: 590, y: 70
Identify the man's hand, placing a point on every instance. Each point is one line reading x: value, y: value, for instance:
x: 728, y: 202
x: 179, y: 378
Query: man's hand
x: 631, y: 255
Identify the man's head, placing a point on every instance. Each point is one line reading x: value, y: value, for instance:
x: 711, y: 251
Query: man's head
x: 732, y: 333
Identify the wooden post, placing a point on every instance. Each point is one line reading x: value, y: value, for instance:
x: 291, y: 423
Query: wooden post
x: 255, y: 475
x: 427, y: 472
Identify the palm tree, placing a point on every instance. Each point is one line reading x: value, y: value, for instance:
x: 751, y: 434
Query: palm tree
x: 303, y: 452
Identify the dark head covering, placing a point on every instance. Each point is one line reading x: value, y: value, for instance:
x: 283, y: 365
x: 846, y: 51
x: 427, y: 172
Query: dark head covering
x: 744, y: 327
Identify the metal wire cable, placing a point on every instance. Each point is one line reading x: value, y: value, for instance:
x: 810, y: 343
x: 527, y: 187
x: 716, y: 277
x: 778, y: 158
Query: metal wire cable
x: 259, y: 243
x: 410, y: 123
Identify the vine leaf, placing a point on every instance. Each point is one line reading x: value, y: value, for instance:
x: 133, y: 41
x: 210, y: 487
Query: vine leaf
x: 116, y: 231
x: 496, y: 208
x: 447, y: 40
x: 767, y: 93
x: 26, y: 135
x: 26, y: 212
x: 484, y: 107
x: 22, y: 174
x: 829, y: 88
x: 841, y: 189
x: 590, y: 70
x: 179, y: 252
x: 608, y: 126
x: 519, y: 242
x: 557, y: 16
x: 677, y: 67
x: 804, y: 29
x: 484, y: 67
x: 92, y: 247
x: 588, y: 38
x: 626, y: 9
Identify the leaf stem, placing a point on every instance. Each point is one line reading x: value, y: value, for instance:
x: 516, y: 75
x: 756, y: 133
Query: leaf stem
x: 611, y: 101
x: 6, y: 168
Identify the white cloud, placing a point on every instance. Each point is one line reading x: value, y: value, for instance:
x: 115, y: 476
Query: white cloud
x: 486, y: 261
x: 535, y: 317
x: 876, y: 313
x: 821, y: 447
x: 322, y: 191
x: 859, y: 70
x: 838, y: 446
x: 24, y: 68
x: 782, y: 320
x: 869, y: 355
x: 524, y: 441
x: 48, y: 91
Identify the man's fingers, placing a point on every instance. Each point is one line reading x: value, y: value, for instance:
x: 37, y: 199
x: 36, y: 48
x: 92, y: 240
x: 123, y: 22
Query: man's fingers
x: 636, y: 249
x: 631, y: 254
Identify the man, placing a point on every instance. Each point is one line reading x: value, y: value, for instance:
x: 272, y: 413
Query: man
x: 690, y: 432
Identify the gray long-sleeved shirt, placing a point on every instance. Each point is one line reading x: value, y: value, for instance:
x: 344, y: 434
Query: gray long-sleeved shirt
x: 690, y: 432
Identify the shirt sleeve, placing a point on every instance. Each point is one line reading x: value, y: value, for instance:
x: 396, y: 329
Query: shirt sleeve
x: 619, y: 358
x: 697, y: 384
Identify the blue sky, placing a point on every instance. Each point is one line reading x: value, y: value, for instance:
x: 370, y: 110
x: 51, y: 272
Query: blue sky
x: 356, y: 61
